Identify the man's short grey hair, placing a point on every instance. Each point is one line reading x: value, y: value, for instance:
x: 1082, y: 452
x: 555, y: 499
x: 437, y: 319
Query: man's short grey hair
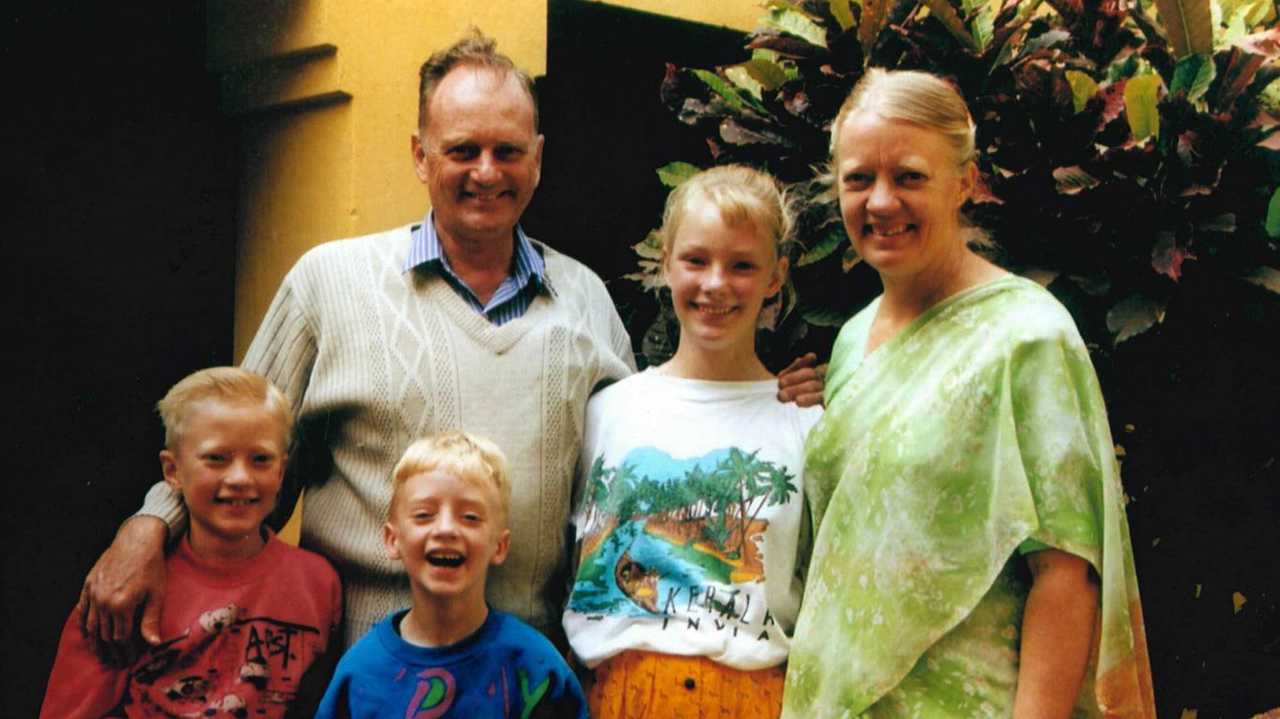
x: 473, y: 50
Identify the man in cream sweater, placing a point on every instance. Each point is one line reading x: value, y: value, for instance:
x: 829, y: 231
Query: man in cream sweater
x: 459, y: 321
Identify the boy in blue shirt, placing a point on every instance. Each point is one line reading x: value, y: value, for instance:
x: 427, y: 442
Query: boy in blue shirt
x: 449, y: 654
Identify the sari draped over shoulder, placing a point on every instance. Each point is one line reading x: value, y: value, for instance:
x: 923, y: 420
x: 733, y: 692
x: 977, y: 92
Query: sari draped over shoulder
x: 974, y: 435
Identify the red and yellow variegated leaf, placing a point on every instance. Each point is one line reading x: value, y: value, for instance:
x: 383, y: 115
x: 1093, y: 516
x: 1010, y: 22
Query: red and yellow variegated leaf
x: 1168, y: 255
x: 875, y: 15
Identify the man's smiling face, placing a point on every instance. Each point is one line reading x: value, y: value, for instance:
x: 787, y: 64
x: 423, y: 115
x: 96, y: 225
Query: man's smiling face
x: 479, y: 155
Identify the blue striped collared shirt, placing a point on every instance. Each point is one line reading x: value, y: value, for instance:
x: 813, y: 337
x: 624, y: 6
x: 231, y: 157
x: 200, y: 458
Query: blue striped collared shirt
x: 525, y: 279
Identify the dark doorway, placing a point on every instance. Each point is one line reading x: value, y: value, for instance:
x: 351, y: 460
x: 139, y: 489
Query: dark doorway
x: 118, y: 275
x: 607, y: 131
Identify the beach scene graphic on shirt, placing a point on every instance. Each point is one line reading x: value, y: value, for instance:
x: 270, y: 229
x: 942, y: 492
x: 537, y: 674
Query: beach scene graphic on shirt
x: 655, y: 526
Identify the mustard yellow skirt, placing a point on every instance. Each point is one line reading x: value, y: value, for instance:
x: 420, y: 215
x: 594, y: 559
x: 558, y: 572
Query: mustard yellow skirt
x: 645, y: 685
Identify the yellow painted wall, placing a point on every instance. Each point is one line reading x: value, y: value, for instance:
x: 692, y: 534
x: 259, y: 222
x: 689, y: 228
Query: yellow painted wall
x: 341, y: 169
x: 315, y: 169
x: 326, y: 92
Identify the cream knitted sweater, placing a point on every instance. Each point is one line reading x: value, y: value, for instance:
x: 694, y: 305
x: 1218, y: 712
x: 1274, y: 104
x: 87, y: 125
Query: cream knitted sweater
x: 374, y: 357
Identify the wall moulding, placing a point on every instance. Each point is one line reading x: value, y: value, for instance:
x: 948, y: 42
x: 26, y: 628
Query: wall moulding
x: 299, y: 79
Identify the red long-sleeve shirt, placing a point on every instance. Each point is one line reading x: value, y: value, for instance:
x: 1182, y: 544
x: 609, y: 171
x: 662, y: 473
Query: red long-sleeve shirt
x: 235, y: 641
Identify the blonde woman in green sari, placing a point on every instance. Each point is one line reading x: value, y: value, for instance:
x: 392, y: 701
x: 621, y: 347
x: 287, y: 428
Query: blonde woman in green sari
x: 971, y: 553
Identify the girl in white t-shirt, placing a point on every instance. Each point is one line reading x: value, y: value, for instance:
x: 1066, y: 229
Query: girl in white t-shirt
x: 691, y: 497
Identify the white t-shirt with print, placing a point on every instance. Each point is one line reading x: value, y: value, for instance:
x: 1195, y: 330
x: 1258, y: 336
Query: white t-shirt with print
x: 689, y: 511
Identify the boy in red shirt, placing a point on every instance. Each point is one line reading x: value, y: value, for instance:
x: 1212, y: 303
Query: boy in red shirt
x: 247, y: 618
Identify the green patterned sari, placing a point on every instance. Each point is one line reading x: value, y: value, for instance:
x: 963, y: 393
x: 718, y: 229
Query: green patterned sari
x: 976, y: 434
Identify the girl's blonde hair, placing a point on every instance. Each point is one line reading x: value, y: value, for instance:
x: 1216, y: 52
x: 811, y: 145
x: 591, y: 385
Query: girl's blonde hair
x: 742, y: 194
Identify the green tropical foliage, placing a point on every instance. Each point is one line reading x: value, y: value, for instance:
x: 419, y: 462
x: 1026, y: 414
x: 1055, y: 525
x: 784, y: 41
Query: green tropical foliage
x: 1122, y: 144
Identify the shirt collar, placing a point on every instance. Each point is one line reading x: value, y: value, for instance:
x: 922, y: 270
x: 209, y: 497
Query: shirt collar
x: 425, y: 249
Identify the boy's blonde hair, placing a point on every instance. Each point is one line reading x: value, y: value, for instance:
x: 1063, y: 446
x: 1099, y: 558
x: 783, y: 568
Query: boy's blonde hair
x: 223, y: 384
x: 742, y: 194
x: 466, y: 456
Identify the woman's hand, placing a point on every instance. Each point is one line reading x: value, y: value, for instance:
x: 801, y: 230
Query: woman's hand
x: 1057, y: 634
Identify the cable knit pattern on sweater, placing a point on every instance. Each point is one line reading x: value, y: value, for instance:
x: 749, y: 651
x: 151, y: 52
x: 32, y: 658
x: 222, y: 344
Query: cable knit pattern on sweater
x: 374, y: 357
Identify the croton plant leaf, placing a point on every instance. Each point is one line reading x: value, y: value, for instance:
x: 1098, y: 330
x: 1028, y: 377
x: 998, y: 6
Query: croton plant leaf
x: 1169, y: 254
x: 733, y: 97
x: 675, y: 173
x: 1118, y: 146
x: 849, y: 259
x: 1134, y: 315
x: 788, y: 19
x: 1083, y: 88
x: 769, y: 74
x: 841, y: 12
x: 823, y: 248
x: 823, y: 316
x: 1141, y: 95
x: 875, y: 16
x: 739, y: 76
x: 950, y: 19
x: 1189, y: 25
x: 1268, y: 277
x: 1192, y: 76
x: 1272, y: 223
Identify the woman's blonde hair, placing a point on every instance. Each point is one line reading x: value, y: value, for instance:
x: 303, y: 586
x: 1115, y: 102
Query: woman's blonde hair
x: 224, y: 384
x: 915, y: 97
x: 742, y: 194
